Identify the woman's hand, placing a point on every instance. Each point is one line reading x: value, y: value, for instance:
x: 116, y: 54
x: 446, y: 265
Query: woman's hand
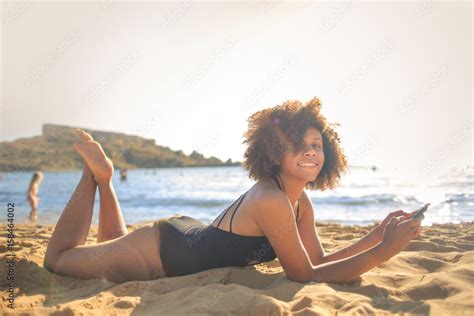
x: 398, y: 234
x: 377, y: 233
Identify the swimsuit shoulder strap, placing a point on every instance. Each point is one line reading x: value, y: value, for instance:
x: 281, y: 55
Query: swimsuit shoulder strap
x: 278, y: 183
x: 297, y: 210
x: 235, y: 210
x: 225, y: 211
x: 241, y: 198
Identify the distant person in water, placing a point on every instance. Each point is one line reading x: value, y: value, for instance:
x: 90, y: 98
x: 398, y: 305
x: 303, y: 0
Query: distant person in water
x: 290, y: 148
x: 123, y: 174
x: 33, y: 196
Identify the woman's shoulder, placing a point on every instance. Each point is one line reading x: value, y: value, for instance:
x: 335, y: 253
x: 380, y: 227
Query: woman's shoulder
x: 266, y: 195
x: 265, y: 189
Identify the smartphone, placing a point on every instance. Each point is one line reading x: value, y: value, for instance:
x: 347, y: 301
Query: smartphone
x: 421, y: 210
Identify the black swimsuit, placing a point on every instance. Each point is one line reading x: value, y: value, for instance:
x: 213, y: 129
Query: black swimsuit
x: 189, y: 246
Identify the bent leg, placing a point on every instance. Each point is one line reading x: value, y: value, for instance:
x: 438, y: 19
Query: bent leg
x: 134, y: 256
x: 74, y: 223
x: 111, y: 222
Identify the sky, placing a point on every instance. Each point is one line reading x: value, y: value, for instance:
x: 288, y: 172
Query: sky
x: 397, y: 76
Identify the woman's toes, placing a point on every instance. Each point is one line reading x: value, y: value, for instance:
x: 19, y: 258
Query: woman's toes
x: 88, y: 137
x: 80, y: 133
x: 84, y: 135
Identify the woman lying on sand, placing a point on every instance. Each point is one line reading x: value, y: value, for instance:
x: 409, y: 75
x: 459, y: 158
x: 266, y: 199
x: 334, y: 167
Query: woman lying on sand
x: 291, y: 147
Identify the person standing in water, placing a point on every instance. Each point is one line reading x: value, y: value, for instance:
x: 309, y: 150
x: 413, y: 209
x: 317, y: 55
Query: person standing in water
x: 33, y: 196
x: 123, y: 174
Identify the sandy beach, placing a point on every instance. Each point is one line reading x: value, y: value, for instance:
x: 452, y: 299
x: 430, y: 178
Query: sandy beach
x: 433, y: 276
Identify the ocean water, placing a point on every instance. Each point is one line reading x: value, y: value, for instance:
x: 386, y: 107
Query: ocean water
x: 363, y: 197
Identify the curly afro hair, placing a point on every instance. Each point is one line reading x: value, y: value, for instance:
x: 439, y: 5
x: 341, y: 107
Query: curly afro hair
x: 274, y: 131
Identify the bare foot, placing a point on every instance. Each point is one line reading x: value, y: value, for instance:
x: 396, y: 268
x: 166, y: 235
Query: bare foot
x: 86, y: 171
x: 101, y: 166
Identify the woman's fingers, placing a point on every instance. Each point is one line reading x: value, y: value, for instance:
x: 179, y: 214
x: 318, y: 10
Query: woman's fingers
x: 406, y: 216
x: 397, y: 213
x: 392, y: 223
x: 417, y: 232
x: 400, y: 214
x: 412, y: 221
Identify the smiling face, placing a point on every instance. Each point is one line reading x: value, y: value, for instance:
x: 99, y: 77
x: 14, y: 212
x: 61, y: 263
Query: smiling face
x: 306, y: 164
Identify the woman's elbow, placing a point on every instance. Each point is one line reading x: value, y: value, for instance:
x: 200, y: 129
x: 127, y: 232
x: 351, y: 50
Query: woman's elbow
x: 318, y: 260
x: 48, y: 264
x: 321, y: 276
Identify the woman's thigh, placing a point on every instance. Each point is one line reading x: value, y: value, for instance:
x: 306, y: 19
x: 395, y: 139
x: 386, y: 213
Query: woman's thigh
x: 134, y: 256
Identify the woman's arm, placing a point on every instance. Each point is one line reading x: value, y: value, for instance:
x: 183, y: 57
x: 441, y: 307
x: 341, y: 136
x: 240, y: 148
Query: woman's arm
x: 312, y: 244
x: 396, y: 236
x: 314, y: 248
x: 368, y: 241
x: 275, y: 218
x: 347, y: 269
x: 365, y: 243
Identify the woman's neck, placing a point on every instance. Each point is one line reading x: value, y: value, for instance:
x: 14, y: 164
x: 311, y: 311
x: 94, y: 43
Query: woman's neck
x: 292, y: 187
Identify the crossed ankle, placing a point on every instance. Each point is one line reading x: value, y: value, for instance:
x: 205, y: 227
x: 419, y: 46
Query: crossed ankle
x: 104, y: 182
x: 87, y: 175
